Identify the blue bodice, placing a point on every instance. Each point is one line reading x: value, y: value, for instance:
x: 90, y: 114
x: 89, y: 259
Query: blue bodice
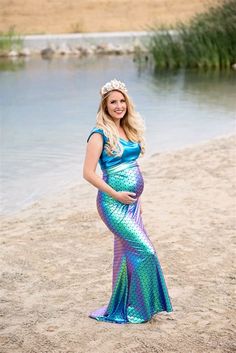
x: 131, y: 151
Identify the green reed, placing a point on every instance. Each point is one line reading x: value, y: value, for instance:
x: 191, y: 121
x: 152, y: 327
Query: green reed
x: 208, y: 41
x: 10, y: 41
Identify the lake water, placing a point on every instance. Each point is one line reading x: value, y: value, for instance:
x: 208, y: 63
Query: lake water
x: 49, y: 107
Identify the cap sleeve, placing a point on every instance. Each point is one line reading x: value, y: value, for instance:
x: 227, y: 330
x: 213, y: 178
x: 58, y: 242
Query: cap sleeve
x: 100, y: 131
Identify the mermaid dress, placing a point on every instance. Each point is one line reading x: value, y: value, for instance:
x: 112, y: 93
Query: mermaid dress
x: 138, y: 286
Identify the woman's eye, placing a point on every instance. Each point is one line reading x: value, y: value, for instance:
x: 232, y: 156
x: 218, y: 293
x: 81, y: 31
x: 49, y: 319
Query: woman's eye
x: 121, y: 101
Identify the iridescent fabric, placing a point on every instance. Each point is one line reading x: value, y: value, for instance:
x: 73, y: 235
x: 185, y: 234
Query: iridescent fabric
x: 131, y: 151
x: 138, y: 285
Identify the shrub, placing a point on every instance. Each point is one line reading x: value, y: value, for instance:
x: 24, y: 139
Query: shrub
x: 208, y: 41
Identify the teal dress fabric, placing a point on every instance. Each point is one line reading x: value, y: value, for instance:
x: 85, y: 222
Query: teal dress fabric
x: 139, y: 289
x: 131, y: 151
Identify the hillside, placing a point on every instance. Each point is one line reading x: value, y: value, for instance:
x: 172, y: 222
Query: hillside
x: 59, y: 16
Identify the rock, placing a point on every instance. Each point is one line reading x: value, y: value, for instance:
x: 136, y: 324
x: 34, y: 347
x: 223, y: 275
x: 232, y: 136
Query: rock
x: 104, y: 48
x: 108, y: 48
x: 12, y: 53
x: 64, y: 49
x: 129, y: 50
x: 47, y: 53
x: 81, y: 50
x: 119, y: 50
x: 101, y: 47
x: 76, y: 52
x: 25, y: 52
x: 86, y: 50
x: 234, y: 66
x: 93, y: 47
x: 89, y: 51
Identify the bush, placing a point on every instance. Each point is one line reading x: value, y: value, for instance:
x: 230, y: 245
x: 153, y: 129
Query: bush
x: 208, y: 41
x: 10, y: 41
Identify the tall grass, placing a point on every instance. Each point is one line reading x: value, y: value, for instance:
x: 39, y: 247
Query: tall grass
x: 208, y: 41
x: 10, y: 41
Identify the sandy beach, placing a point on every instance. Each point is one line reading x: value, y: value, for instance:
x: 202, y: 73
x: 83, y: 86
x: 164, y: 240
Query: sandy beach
x: 56, y: 262
x: 30, y: 17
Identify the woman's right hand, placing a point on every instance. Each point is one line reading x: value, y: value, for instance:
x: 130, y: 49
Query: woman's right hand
x: 126, y: 197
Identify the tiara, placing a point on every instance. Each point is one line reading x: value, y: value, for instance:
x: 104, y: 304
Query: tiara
x: 113, y: 85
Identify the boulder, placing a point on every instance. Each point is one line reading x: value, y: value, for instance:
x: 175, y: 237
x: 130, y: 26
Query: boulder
x: 76, y: 52
x: 25, y: 52
x: 64, y: 49
x: 12, y: 53
x: 86, y: 50
x: 47, y: 53
x: 108, y: 48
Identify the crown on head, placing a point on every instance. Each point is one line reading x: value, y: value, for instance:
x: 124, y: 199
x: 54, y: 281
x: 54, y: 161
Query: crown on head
x: 113, y: 85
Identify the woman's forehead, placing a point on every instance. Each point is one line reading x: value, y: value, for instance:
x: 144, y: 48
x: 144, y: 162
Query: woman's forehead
x: 115, y: 95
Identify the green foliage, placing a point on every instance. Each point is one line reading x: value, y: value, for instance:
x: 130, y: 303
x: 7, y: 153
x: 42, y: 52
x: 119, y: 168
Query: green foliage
x: 7, y: 64
x: 10, y: 41
x: 208, y: 41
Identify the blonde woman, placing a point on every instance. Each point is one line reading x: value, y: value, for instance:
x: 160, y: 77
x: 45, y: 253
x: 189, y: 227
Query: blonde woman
x: 138, y: 285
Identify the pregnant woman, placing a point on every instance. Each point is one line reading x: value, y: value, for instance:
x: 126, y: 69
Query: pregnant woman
x: 138, y: 285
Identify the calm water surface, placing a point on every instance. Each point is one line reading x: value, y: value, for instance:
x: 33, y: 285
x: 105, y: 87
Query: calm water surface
x: 49, y: 107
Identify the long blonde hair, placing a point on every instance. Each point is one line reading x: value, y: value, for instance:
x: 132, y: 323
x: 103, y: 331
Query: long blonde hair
x: 132, y: 123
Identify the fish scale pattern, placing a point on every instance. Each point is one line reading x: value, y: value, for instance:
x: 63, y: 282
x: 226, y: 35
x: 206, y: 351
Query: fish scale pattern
x: 138, y: 286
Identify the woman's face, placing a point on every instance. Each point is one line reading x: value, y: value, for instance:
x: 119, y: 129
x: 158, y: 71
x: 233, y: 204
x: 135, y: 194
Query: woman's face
x: 116, y: 105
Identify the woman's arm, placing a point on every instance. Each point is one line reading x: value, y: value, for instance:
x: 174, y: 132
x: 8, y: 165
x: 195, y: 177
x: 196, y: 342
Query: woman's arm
x: 93, y: 152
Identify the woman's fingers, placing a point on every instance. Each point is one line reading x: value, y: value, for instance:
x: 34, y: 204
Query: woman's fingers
x: 132, y: 194
x: 132, y: 198
x: 127, y: 197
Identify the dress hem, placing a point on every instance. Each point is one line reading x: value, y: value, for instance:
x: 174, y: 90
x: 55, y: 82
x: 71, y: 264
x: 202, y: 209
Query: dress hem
x: 129, y: 322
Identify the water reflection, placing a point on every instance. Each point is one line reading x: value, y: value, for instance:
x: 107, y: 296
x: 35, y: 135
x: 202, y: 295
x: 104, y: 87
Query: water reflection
x: 205, y: 88
x: 12, y: 64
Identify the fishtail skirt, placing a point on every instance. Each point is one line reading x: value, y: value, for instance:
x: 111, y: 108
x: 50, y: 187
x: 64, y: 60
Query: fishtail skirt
x: 138, y: 286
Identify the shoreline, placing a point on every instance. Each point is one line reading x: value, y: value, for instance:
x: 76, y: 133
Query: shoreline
x: 71, y: 185
x: 56, y: 262
x: 79, y: 44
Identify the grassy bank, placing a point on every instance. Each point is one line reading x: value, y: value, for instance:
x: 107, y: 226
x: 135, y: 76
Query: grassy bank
x: 208, y: 41
x: 9, y: 41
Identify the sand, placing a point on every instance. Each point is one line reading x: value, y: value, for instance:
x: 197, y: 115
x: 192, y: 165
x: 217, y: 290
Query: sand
x: 56, y: 262
x: 57, y: 16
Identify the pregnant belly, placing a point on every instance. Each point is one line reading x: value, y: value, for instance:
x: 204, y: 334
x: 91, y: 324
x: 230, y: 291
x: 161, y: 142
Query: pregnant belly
x: 130, y: 179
